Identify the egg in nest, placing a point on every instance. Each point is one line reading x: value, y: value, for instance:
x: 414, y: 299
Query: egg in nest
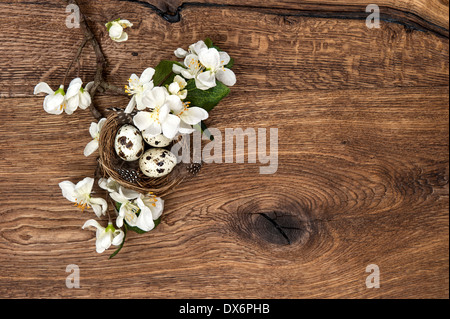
x: 157, y: 162
x: 129, y: 144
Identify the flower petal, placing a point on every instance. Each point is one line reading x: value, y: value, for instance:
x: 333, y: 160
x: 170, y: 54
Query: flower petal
x: 119, y: 221
x: 153, y: 130
x: 174, y: 103
x: 146, y: 76
x: 116, y: 31
x: 160, y: 94
x: 174, y: 88
x: 128, y: 193
x: 224, y: 58
x: 226, y: 76
x: 181, y: 82
x: 90, y: 148
x: 118, y: 237
x: 131, y: 105
x: 89, y: 86
x: 118, y: 197
x: 206, y: 80
x: 72, y: 104
x: 104, y: 240
x: 140, y: 105
x: 43, y: 88
x: 187, y: 74
x: 180, y: 53
x: 53, y: 103
x: 185, y: 128
x: 170, y: 126
x: 194, y: 115
x: 56, y: 110
x: 92, y: 223
x: 99, y: 205
x: 125, y: 23
x: 101, y: 123
x: 93, y: 129
x: 123, y: 37
x: 163, y: 112
x: 197, y: 47
x: 85, y: 100
x: 145, y: 220
x: 68, y: 190
x: 158, y: 209
x: 183, y: 94
x: 143, y: 120
x: 177, y: 69
x: 210, y: 58
x: 108, y: 184
x: 84, y: 187
x: 74, y: 88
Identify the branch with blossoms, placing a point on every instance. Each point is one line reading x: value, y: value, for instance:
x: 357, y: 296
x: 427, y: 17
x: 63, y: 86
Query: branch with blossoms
x: 174, y: 98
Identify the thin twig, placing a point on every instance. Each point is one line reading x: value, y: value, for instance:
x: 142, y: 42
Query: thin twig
x: 109, y: 87
x: 101, y: 61
x: 78, y: 68
x: 76, y: 58
x: 100, y: 85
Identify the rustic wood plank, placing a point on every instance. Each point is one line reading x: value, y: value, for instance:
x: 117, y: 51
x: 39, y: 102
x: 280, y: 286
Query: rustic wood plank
x: 421, y: 13
x: 363, y: 151
x: 310, y: 45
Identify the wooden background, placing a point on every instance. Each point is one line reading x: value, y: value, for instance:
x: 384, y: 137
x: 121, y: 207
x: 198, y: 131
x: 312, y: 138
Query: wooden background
x: 363, y: 153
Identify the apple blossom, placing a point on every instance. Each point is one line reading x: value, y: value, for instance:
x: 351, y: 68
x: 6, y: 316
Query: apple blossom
x: 105, y: 236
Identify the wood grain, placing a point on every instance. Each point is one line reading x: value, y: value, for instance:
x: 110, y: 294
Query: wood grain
x: 363, y: 156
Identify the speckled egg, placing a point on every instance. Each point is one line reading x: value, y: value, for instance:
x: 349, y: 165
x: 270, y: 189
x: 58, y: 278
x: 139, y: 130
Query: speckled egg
x: 129, y: 144
x: 156, y: 141
x: 157, y: 162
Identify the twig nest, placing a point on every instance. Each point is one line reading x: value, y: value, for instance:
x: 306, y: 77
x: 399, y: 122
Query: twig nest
x: 157, y: 162
x: 156, y: 141
x: 129, y: 174
x: 129, y: 144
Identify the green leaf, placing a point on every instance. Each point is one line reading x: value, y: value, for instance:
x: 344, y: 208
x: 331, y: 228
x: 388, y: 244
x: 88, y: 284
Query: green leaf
x: 210, y: 44
x: 206, y: 99
x: 163, y: 73
x: 121, y: 245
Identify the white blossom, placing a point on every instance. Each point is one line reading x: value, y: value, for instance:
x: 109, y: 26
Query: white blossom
x: 116, y: 29
x: 158, y: 118
x: 55, y: 101
x: 105, y: 236
x: 80, y: 194
x: 137, y: 88
x: 94, y: 130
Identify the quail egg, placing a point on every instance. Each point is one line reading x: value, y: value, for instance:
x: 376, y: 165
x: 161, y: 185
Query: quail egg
x: 157, y: 162
x: 129, y: 144
x: 156, y: 141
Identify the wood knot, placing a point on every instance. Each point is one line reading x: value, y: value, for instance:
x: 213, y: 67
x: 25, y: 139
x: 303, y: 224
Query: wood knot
x: 283, y: 223
x: 279, y: 228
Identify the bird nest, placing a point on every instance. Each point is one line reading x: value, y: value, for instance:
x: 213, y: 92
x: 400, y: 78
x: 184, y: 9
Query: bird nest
x: 128, y: 174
